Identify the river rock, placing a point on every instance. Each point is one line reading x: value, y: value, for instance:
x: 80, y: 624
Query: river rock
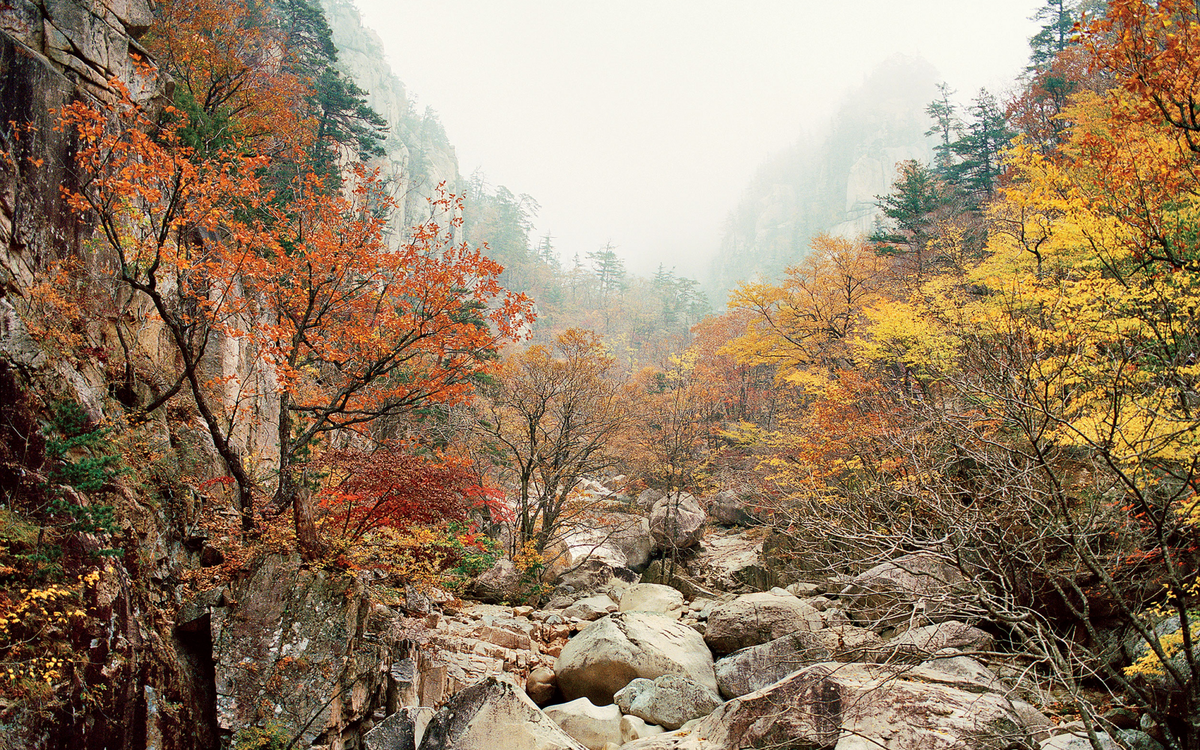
x: 728, y: 509
x: 919, y: 586
x: 730, y: 561
x: 541, y: 686
x: 498, y: 584
x: 402, y: 730
x: 591, y: 725
x: 614, y: 650
x: 855, y: 707
x: 677, y: 522
x: 752, y: 619
x: 919, y: 644
x: 494, y: 708
x: 591, y: 608
x: 669, y: 701
x: 653, y: 597
x: 758, y: 666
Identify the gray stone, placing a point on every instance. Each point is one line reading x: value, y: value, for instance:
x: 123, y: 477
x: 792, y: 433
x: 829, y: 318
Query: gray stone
x: 591, y: 608
x: 1077, y: 740
x: 591, y: 725
x: 402, y: 730
x: 759, y: 666
x: 653, y: 597
x: 499, y: 584
x: 918, y: 587
x: 669, y: 701
x: 677, y: 522
x: 614, y: 650
x: 479, y: 716
x: 728, y: 509
x: 752, y: 619
x: 919, y: 644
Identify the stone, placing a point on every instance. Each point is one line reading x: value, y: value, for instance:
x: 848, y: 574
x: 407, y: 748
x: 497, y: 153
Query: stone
x: 591, y: 608
x: 498, y: 584
x: 669, y: 701
x: 619, y: 539
x: 1133, y: 739
x: 916, y: 587
x: 728, y: 509
x: 1077, y: 740
x: 919, y: 644
x: 493, y: 708
x: 677, y: 522
x: 966, y: 668
x: 646, y: 500
x: 801, y: 588
x: 541, y: 686
x: 636, y: 728
x: 758, y: 666
x: 856, y: 706
x: 402, y: 730
x: 752, y: 619
x: 614, y: 650
x: 591, y: 725
x: 730, y: 561
x: 653, y: 597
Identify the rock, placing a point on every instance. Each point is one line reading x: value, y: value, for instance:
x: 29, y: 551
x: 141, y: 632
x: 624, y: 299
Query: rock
x: 730, y: 561
x: 1077, y: 741
x: 1164, y: 691
x: 758, y: 666
x: 727, y: 509
x: 614, y: 650
x: 1038, y: 724
x: 619, y: 539
x: 668, y: 701
x: 653, y: 597
x: 493, y: 708
x: 541, y: 686
x: 752, y: 619
x: 919, y: 644
x: 964, y: 668
x: 1133, y: 739
x: 591, y: 725
x: 636, y: 728
x: 498, y: 584
x: 918, y: 586
x: 677, y: 522
x: 591, y: 608
x: 402, y: 730
x: 856, y: 706
x: 645, y: 501
x: 801, y: 588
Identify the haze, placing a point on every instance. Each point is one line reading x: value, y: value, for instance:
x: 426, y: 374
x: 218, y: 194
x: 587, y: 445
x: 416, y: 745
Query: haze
x: 641, y: 123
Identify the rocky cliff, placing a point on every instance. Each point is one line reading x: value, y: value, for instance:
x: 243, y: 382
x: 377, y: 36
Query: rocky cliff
x: 829, y: 186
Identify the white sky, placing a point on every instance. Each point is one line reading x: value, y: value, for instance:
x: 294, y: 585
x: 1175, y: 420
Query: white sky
x: 641, y: 122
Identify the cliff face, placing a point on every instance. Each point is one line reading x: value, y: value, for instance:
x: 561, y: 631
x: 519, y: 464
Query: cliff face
x: 419, y: 156
x: 830, y: 186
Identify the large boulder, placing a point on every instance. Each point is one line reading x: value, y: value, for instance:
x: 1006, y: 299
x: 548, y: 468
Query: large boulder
x: 611, y: 652
x: 653, y: 597
x: 920, y: 587
x: 591, y: 608
x: 758, y: 666
x: 919, y: 644
x: 669, y: 701
x: 402, y: 730
x: 501, y: 583
x: 728, y: 509
x: 752, y: 619
x: 730, y: 561
x: 593, y: 726
x: 493, y: 708
x: 855, y: 707
x: 677, y: 522
x: 619, y: 539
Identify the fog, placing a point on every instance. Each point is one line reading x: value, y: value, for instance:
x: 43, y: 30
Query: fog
x: 641, y: 122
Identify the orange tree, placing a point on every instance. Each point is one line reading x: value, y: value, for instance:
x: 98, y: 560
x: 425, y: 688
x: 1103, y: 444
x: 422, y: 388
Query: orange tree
x: 352, y: 330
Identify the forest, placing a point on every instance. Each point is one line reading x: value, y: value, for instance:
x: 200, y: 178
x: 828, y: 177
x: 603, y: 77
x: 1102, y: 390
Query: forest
x: 1005, y: 370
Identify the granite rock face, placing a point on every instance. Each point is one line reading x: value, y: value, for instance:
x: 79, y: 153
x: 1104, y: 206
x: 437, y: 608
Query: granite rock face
x: 490, y: 714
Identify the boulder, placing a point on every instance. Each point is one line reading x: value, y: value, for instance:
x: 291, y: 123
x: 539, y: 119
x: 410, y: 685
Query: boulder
x: 616, y: 649
x: 619, y: 539
x: 752, y: 619
x: 636, y: 728
x: 758, y: 666
x: 591, y: 608
x: 402, y: 730
x: 919, y: 587
x: 591, y: 725
x: 677, y: 522
x: 727, y: 509
x: 494, y: 708
x: 653, y: 597
x: 503, y: 582
x: 730, y: 561
x: 669, y: 701
x: 919, y: 644
x: 855, y: 707
x: 965, y: 669
x: 1078, y: 740
x: 645, y: 501
x: 541, y: 686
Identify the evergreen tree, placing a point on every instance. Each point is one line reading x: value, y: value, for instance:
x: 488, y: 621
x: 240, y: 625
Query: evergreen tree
x: 946, y: 127
x: 977, y: 171
x: 1058, y: 17
x: 609, y: 270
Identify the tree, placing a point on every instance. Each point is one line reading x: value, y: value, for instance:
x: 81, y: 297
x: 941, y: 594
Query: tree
x: 985, y: 135
x: 917, y: 196
x: 946, y: 126
x: 1056, y: 34
x: 555, y: 415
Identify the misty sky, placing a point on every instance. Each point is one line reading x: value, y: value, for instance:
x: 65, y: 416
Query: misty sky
x: 641, y: 122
